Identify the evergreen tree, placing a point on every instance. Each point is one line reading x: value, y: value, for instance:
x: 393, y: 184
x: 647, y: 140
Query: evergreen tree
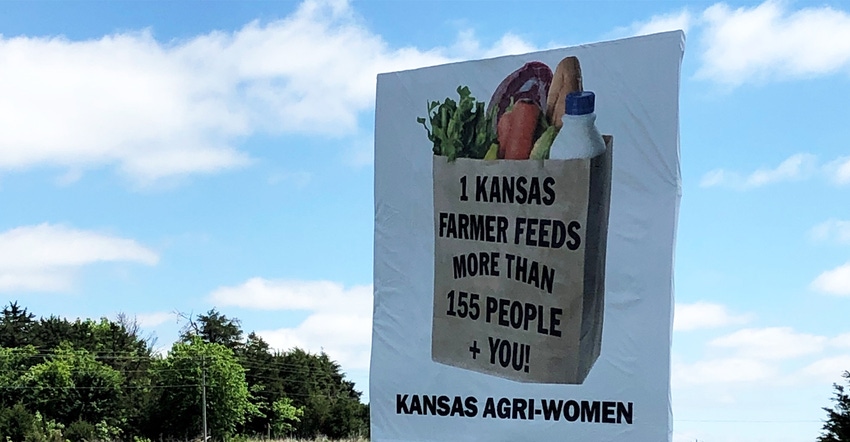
x: 837, y: 426
x: 15, y: 326
x: 214, y: 328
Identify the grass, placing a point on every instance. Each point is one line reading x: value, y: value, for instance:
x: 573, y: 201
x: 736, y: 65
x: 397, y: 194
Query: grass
x: 324, y: 439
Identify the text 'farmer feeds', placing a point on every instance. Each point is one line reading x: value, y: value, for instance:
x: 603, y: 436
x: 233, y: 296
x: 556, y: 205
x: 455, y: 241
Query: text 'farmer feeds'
x: 520, y: 227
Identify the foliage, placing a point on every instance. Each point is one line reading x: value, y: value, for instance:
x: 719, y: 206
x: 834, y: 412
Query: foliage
x: 100, y: 380
x: 214, y: 328
x: 15, y: 326
x: 19, y: 424
x: 283, y: 414
x: 837, y: 426
x: 331, y: 404
x: 184, y: 372
x: 72, y: 386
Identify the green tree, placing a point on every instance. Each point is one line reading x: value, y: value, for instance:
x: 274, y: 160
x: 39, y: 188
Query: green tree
x: 15, y: 326
x: 14, y: 362
x: 180, y: 377
x: 331, y: 405
x: 283, y: 415
x: 73, y: 386
x: 837, y: 426
x: 264, y: 382
x: 214, y: 328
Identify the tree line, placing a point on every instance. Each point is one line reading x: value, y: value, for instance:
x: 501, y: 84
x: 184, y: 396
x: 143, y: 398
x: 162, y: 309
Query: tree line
x: 89, y: 380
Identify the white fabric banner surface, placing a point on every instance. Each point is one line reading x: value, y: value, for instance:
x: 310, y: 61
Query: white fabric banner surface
x: 519, y: 297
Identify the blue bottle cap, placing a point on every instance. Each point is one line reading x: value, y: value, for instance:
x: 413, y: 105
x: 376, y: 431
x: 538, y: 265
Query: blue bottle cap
x: 580, y: 103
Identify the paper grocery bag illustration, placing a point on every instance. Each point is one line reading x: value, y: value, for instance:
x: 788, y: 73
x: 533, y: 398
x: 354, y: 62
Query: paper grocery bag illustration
x: 519, y: 265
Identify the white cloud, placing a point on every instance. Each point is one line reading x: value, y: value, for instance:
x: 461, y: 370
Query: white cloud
x: 45, y: 257
x: 702, y: 315
x: 834, y: 282
x: 771, y: 42
x: 772, y: 343
x: 157, y: 110
x: 795, y: 167
x: 296, y: 179
x: 839, y: 170
x: 723, y: 370
x: 827, y: 369
x: 683, y: 20
x: 841, y: 341
x: 151, y: 320
x: 467, y: 45
x: 339, y: 322
x: 832, y: 230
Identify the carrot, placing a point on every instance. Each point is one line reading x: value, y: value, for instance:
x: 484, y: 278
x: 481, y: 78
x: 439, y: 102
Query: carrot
x: 515, y: 131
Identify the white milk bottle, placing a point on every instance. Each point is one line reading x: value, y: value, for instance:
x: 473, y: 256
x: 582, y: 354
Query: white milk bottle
x: 578, y: 138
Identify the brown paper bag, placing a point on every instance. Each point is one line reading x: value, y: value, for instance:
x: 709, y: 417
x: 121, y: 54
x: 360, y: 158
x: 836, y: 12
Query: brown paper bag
x: 519, y: 265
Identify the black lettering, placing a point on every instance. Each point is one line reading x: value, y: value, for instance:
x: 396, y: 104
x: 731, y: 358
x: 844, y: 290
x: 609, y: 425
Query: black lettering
x: 534, y: 275
x: 415, y: 405
x: 530, y: 314
x: 491, y: 228
x: 489, y: 408
x: 572, y: 411
x: 520, y: 224
x: 559, y: 234
x: 548, y: 282
x: 471, y: 404
x: 476, y: 228
x: 555, y: 320
x: 503, y: 312
x: 608, y: 409
x: 543, y: 241
x: 504, y: 353
x: 443, y: 223
x: 521, y: 190
x: 494, y: 345
x: 625, y: 412
x: 590, y: 411
x: 521, y: 269
x: 575, y: 238
x: 531, y: 232
x: 541, y: 325
x: 491, y: 306
x: 463, y: 226
x: 401, y: 404
x: 508, y: 189
x: 503, y: 230
x: 519, y: 408
x: 459, y: 266
x: 516, y: 314
x: 549, y: 199
x: 552, y: 409
x: 443, y: 405
x: 494, y: 270
x: 429, y: 404
x: 481, y: 188
x: 504, y: 408
x: 495, y: 193
x: 534, y: 191
x: 457, y: 407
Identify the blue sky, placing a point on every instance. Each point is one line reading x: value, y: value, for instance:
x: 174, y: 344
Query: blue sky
x: 159, y: 157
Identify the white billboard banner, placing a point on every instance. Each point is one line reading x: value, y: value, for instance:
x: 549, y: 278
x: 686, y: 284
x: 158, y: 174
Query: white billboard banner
x: 525, y: 221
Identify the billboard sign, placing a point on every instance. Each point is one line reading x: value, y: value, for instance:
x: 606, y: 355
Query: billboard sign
x: 525, y: 218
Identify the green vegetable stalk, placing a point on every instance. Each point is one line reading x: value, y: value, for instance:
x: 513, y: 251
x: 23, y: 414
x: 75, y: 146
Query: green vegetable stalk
x: 461, y: 129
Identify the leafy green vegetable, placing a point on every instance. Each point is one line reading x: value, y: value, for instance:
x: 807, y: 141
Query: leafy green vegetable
x: 540, y: 151
x: 460, y: 129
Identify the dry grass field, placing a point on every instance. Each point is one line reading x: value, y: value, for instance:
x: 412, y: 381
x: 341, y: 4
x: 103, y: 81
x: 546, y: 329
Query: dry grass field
x: 309, y: 440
